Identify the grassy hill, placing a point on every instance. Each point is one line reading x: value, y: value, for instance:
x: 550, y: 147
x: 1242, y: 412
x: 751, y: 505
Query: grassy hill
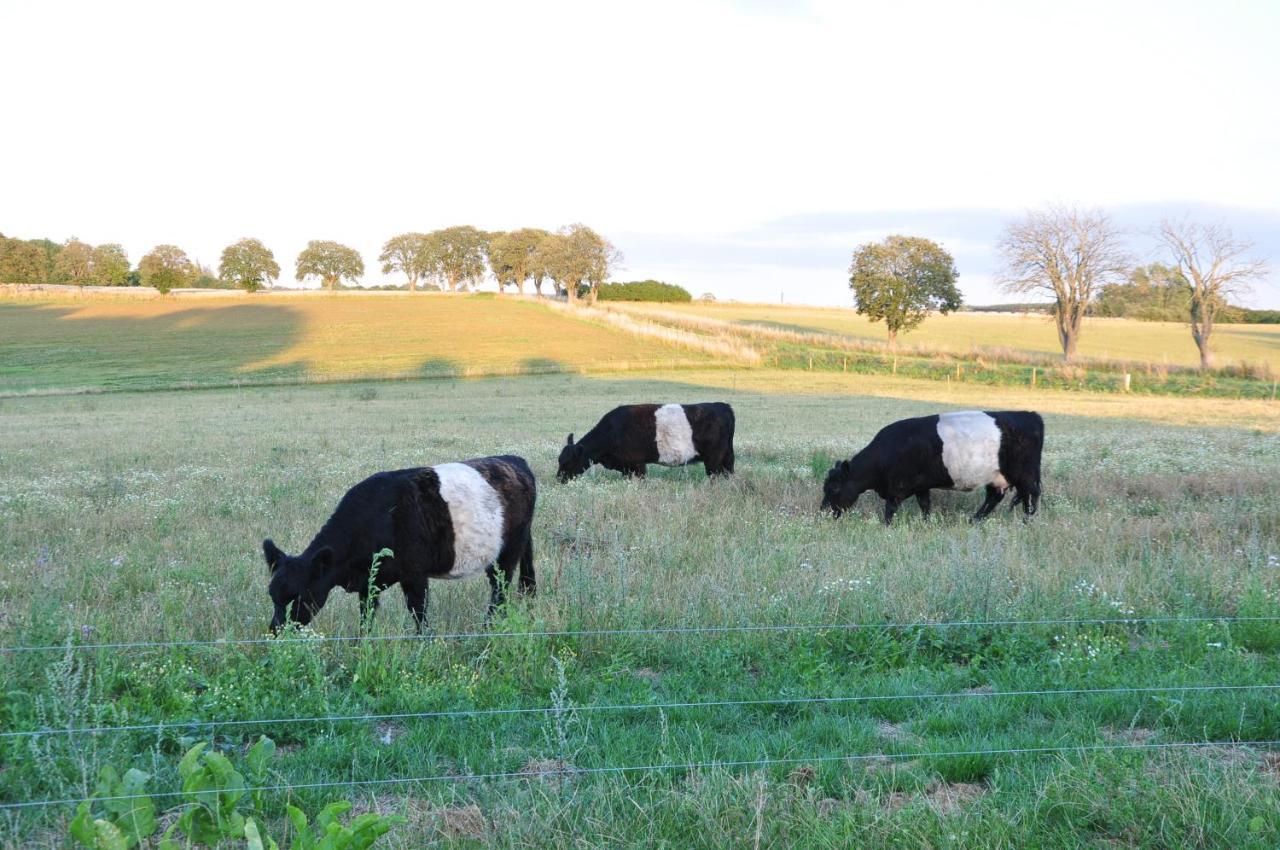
x: 165, y: 342
x: 1108, y: 339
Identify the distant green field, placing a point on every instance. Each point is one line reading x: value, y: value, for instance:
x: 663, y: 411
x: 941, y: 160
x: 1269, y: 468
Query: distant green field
x: 113, y: 343
x: 1121, y: 339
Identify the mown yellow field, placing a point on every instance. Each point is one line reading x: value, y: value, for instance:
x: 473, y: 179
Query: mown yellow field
x: 117, y: 343
x: 1155, y: 342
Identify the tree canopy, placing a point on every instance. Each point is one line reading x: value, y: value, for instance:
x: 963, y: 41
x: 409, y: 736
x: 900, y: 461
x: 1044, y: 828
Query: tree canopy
x: 458, y: 255
x: 409, y: 254
x: 74, y: 263
x: 901, y: 280
x: 330, y: 262
x: 576, y: 257
x: 249, y: 265
x: 512, y: 256
x: 110, y: 265
x: 22, y: 261
x: 166, y: 267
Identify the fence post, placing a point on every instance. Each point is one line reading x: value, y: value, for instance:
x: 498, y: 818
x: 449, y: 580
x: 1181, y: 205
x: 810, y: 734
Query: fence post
x: 895, y: 366
x: 810, y: 362
x: 1127, y: 378
x: 845, y: 362
x: 1034, y: 369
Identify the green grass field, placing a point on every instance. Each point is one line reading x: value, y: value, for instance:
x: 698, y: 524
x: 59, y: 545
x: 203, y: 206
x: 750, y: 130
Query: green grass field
x: 1166, y: 343
x: 137, y: 517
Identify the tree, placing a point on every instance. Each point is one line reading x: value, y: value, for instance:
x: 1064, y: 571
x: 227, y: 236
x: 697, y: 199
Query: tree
x: 1216, y: 266
x: 1067, y: 254
x: 539, y: 257
x: 21, y: 261
x: 331, y: 262
x: 166, y: 267
x: 1154, y: 293
x: 901, y: 280
x: 74, y: 263
x: 512, y: 256
x: 458, y: 255
x: 577, y: 256
x: 110, y: 265
x: 410, y: 254
x: 249, y: 265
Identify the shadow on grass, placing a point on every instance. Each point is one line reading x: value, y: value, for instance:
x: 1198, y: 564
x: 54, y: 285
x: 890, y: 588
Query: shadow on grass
x: 58, y: 347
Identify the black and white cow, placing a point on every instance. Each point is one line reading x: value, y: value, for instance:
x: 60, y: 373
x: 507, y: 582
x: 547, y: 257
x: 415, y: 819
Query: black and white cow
x: 630, y: 437
x: 441, y: 522
x: 949, y: 451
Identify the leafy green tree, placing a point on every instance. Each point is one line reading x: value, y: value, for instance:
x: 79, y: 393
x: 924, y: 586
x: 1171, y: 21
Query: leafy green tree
x: 901, y: 280
x: 512, y: 256
x: 110, y: 265
x: 51, y: 250
x: 1153, y: 293
x: 74, y: 263
x: 166, y: 267
x: 249, y: 265
x: 411, y: 254
x: 579, y: 259
x: 21, y: 262
x: 458, y: 255
x: 331, y: 262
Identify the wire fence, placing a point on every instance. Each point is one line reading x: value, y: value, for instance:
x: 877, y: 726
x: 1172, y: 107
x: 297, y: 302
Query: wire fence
x: 638, y: 632
x: 572, y: 772
x: 640, y: 706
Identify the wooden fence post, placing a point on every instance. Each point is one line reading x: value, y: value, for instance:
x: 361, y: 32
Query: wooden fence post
x: 1127, y: 378
x: 1034, y: 369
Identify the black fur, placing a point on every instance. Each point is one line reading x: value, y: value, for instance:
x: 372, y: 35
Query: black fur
x: 625, y: 440
x: 402, y: 511
x: 905, y: 459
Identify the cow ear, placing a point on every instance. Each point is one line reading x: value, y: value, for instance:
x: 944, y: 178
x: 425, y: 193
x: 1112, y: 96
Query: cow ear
x: 272, y: 553
x: 844, y: 467
x: 569, y: 442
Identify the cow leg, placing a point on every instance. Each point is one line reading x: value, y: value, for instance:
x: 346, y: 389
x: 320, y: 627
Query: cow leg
x: 719, y: 465
x: 415, y: 599
x: 637, y: 471
x: 926, y: 503
x: 891, y: 506
x: 994, y: 496
x: 497, y: 591
x: 528, y: 584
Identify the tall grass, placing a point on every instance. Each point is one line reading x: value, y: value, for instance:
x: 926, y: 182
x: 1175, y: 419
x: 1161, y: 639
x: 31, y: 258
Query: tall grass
x: 138, y: 516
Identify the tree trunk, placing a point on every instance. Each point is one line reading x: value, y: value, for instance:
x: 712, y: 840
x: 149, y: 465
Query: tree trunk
x: 592, y: 292
x: 1201, y: 330
x: 537, y: 285
x: 1068, y: 336
x: 893, y: 336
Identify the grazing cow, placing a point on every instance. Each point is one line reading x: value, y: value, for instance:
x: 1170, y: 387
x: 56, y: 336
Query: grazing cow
x: 441, y: 522
x: 632, y: 436
x: 950, y: 451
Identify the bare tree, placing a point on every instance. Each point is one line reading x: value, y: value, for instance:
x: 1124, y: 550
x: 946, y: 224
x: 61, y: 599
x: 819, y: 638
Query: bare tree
x: 1216, y: 266
x: 1065, y: 253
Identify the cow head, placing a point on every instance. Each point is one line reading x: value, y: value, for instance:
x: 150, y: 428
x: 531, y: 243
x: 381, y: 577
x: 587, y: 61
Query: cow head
x: 573, y: 461
x: 843, y: 487
x: 299, y: 586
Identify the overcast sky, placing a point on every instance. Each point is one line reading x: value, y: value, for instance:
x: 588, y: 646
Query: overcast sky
x: 738, y: 148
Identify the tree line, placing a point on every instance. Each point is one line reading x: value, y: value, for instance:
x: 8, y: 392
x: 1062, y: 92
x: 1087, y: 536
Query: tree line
x: 575, y: 260
x: 1077, y: 260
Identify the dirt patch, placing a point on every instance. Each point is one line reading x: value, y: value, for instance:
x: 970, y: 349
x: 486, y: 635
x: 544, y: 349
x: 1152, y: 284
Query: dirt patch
x: 387, y: 732
x: 1134, y: 735
x: 897, y: 732
x: 547, y: 769
x: 1271, y: 764
x: 653, y: 677
x: 461, y: 822
x: 947, y: 798
x: 802, y: 775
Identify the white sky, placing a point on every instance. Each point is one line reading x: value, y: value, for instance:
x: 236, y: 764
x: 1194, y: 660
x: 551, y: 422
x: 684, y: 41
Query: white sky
x: 741, y: 148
